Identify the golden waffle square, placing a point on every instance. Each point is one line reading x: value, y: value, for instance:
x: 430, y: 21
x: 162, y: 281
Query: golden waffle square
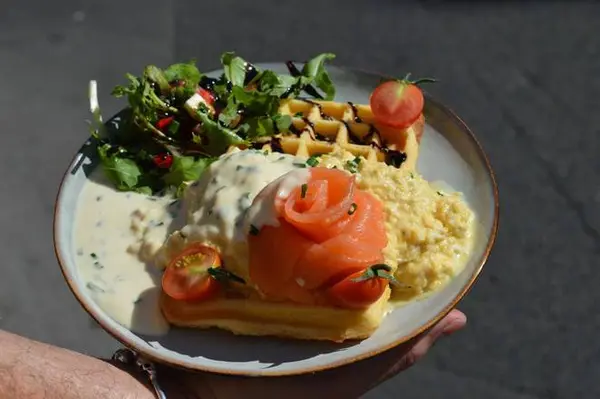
x: 319, y: 127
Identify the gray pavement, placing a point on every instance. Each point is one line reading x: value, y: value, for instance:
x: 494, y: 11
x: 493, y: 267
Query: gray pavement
x: 524, y: 76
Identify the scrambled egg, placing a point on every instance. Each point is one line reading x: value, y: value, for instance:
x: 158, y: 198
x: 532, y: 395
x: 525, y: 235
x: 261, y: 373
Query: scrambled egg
x: 429, y: 232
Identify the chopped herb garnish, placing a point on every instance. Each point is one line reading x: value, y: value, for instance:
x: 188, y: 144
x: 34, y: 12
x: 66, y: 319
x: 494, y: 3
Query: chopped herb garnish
x: 93, y: 255
x: 352, y: 209
x: 380, y: 270
x: 98, y: 265
x: 298, y: 114
x: 441, y: 194
x: 93, y: 287
x: 312, y: 161
x: 300, y: 165
x: 254, y: 230
x: 303, y: 190
x: 352, y: 166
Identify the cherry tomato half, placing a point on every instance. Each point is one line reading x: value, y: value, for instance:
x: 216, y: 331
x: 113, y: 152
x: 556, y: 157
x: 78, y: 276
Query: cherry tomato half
x: 186, y: 278
x: 360, y: 290
x: 397, y: 103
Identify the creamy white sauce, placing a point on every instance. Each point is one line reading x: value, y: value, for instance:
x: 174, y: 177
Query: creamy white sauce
x: 116, y: 236
x: 262, y: 212
x: 218, y: 204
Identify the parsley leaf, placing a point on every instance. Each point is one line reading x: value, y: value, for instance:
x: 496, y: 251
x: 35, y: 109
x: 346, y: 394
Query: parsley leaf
x: 186, y: 169
x: 123, y: 172
x: 235, y: 68
x: 315, y: 71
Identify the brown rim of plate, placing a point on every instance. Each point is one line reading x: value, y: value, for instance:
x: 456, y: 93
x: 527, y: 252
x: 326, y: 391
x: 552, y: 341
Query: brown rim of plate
x: 174, y: 363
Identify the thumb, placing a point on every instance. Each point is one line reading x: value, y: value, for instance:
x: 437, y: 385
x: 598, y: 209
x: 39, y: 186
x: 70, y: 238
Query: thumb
x: 454, y: 321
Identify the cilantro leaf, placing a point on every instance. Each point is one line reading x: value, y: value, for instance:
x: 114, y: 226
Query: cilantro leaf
x: 259, y: 127
x: 229, y: 114
x: 186, y: 169
x: 188, y: 75
x: 216, y: 138
x: 283, y: 122
x: 187, y: 72
x: 276, y: 85
x: 123, y: 172
x: 315, y: 71
x: 266, y: 125
x: 255, y: 102
x: 156, y: 75
x: 235, y: 68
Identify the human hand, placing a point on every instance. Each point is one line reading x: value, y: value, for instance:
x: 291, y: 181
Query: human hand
x: 349, y: 381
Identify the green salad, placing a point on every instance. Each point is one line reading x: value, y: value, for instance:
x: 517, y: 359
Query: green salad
x: 178, y: 120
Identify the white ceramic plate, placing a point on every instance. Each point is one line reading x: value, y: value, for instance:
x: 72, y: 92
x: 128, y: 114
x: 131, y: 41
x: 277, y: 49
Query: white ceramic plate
x: 449, y: 152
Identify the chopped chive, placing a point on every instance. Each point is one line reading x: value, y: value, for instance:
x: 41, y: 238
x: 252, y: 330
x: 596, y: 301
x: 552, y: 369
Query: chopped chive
x: 93, y: 255
x: 352, y: 166
x: 298, y: 114
x: 303, y: 189
x: 93, y: 287
x: 441, y: 194
x: 312, y: 161
x: 254, y: 230
x: 352, y: 209
x: 300, y: 165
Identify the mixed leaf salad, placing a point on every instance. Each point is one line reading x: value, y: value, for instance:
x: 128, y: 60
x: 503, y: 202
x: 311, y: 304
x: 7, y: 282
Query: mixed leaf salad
x: 178, y: 120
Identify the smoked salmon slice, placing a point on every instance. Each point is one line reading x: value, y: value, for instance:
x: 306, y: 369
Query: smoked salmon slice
x: 327, y: 229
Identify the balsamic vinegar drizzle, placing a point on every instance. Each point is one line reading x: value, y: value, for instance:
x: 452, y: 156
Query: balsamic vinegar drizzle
x: 354, y: 139
x: 312, y: 127
x: 392, y: 157
x: 354, y: 113
x: 251, y: 73
x: 296, y: 72
x: 320, y: 107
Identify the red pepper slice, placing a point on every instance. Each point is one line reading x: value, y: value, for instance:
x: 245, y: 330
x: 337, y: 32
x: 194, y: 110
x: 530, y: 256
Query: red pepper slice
x: 206, y: 95
x: 164, y: 122
x: 163, y: 161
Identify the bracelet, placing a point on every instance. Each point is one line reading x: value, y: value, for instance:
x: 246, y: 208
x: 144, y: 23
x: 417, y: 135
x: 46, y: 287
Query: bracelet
x: 128, y: 357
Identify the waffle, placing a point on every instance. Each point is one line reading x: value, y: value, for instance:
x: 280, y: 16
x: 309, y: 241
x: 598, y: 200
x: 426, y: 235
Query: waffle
x: 318, y: 127
x: 256, y: 317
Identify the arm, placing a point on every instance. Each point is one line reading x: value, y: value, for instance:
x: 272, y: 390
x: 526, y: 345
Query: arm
x: 30, y: 369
